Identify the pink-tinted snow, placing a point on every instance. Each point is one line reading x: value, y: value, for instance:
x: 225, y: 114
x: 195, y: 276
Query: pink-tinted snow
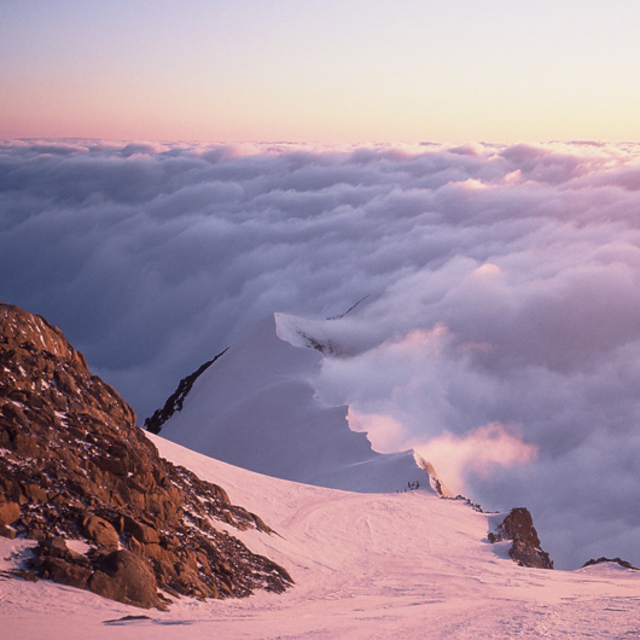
x: 366, y: 566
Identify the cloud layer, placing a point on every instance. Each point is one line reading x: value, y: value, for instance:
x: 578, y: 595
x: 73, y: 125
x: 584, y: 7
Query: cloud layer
x: 503, y: 317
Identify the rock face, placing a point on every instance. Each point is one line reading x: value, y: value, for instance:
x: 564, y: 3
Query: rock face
x: 620, y: 561
x: 74, y: 465
x: 526, y: 551
x: 176, y: 399
x: 124, y: 576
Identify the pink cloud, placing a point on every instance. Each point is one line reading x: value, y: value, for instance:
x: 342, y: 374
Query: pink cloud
x: 477, y: 453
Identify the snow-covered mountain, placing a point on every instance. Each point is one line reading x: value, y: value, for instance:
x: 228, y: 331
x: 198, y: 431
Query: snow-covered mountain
x: 360, y: 564
x: 255, y: 407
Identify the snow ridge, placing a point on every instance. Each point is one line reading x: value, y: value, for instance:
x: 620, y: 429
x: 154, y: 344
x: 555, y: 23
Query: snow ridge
x: 256, y: 408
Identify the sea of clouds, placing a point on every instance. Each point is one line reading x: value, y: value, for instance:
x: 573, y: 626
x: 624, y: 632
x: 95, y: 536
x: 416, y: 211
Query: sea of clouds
x: 500, y: 334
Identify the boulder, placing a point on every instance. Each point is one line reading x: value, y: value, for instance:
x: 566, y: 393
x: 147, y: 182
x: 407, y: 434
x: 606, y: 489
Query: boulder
x: 55, y: 561
x: 101, y: 531
x: 55, y: 547
x: 125, y: 577
x: 65, y: 572
x: 35, y: 493
x: 9, y: 512
x: 142, y: 532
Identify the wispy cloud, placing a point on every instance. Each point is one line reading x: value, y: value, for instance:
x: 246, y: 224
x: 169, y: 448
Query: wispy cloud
x: 476, y: 454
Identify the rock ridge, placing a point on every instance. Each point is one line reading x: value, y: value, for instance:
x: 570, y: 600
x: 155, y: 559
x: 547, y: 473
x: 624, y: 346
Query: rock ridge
x: 176, y: 399
x: 74, y: 466
x: 602, y: 560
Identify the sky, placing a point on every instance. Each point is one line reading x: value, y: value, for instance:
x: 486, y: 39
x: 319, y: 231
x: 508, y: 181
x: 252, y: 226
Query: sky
x: 332, y: 71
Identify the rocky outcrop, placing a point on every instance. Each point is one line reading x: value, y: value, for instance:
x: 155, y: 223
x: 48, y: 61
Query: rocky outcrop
x: 122, y: 575
x: 176, y: 399
x: 525, y: 550
x: 619, y: 561
x: 118, y: 574
x: 74, y: 465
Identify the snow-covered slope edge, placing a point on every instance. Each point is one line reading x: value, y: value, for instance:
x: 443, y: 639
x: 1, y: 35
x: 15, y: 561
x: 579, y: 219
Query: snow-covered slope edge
x: 255, y: 408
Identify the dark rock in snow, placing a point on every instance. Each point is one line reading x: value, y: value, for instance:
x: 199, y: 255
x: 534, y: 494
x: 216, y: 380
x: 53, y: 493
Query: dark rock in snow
x: 125, y: 620
x: 65, y: 572
x: 54, y: 561
x: 622, y: 563
x: 176, y: 399
x: 73, y: 464
x: 525, y: 550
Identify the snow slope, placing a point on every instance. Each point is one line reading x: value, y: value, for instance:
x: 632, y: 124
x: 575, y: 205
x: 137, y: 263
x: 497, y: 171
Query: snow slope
x: 255, y: 408
x: 366, y: 566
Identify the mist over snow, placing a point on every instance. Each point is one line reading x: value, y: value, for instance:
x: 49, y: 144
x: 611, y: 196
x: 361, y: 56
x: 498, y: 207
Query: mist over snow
x: 500, y: 335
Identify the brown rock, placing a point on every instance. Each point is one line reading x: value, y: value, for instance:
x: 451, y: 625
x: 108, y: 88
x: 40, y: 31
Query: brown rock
x: 125, y: 577
x: 55, y: 547
x: 100, y: 531
x: 35, y: 493
x: 26, y: 446
x: 518, y: 525
x: 190, y: 560
x: 135, y: 547
x: 36, y: 533
x: 14, y: 413
x: 526, y: 550
x: 9, y: 512
x: 64, y: 572
x: 188, y: 580
x: 162, y: 555
x: 9, y: 490
x: 165, y: 570
x: 203, y: 559
x: 75, y: 463
x: 142, y: 532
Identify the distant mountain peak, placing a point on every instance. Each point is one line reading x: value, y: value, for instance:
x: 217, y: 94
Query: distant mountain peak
x: 256, y: 408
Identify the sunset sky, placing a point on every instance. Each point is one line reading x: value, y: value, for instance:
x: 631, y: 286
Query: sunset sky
x: 329, y: 71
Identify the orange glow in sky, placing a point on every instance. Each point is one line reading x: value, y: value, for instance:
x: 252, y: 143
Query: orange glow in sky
x: 324, y: 71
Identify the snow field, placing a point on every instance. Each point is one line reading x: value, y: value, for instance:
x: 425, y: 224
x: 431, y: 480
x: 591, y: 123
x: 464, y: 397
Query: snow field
x: 366, y: 566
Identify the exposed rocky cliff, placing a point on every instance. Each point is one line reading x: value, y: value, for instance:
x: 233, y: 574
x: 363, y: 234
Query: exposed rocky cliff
x: 176, y: 399
x: 525, y: 550
x: 74, y: 465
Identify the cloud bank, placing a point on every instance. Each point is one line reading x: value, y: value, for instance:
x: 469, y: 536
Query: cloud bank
x: 502, y: 328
